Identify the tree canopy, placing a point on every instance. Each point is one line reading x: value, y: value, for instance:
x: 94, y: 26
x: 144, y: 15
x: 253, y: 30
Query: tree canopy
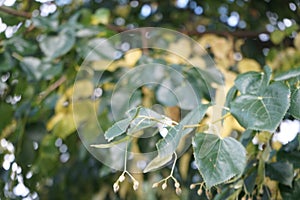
x: 204, y: 101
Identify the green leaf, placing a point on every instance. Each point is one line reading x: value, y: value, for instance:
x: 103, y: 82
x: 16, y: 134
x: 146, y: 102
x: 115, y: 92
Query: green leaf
x: 6, y: 62
x: 253, y: 82
x: 249, y: 181
x: 290, y: 193
x: 117, y: 129
x: 138, y: 118
x: 194, y: 117
x: 65, y: 127
x: 55, y: 46
x: 277, y: 36
x: 157, y: 162
x: 32, y: 67
x: 48, y: 157
x: 200, y: 84
x: 289, y: 30
x: 24, y: 47
x: 295, y: 103
x: 167, y: 146
x: 36, y: 69
x: 263, y: 111
x: 165, y: 94
x: 231, y: 94
x: 7, y: 115
x: 96, y: 49
x: 281, y: 171
x: 291, y: 157
x: 218, y: 159
x: 187, y: 97
x: 288, y: 75
x: 48, y: 23
x: 142, y: 118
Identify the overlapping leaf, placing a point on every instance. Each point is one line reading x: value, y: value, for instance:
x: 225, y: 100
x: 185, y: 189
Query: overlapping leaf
x: 218, y: 159
x: 167, y: 146
x: 138, y: 118
x: 261, y: 106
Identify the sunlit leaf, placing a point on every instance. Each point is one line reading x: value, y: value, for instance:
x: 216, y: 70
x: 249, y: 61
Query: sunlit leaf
x: 246, y: 65
x: 288, y: 75
x: 65, y: 126
x: 297, y: 41
x: 260, y: 106
x: 277, y: 36
x: 218, y: 159
x: 131, y: 57
x: 58, y: 45
x: 101, y: 16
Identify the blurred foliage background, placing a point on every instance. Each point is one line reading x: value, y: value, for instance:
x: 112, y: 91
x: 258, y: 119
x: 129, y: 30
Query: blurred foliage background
x: 44, y: 42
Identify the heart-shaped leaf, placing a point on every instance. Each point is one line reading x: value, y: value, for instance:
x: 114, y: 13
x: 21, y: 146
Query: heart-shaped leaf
x: 218, y: 159
x: 262, y: 111
x: 253, y: 82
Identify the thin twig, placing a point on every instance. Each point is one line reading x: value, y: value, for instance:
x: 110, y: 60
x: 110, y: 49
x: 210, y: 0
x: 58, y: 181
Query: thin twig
x: 17, y: 13
x: 52, y: 87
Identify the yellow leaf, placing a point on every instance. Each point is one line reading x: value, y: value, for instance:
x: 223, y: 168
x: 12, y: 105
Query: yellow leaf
x: 54, y: 120
x: 84, y: 89
x: 101, y: 16
x: 197, y: 62
x: 65, y: 126
x: 184, y: 165
x: 174, y: 59
x: 85, y: 110
x: 247, y: 64
x: 297, y: 41
x: 122, y: 10
x: 230, y: 124
x: 101, y: 64
x: 62, y: 104
x: 132, y: 56
x: 221, y: 47
x: 276, y: 145
x: 181, y: 48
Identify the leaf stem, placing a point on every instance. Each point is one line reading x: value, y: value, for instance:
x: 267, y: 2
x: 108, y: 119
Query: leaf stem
x: 201, y: 125
x: 125, y: 157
